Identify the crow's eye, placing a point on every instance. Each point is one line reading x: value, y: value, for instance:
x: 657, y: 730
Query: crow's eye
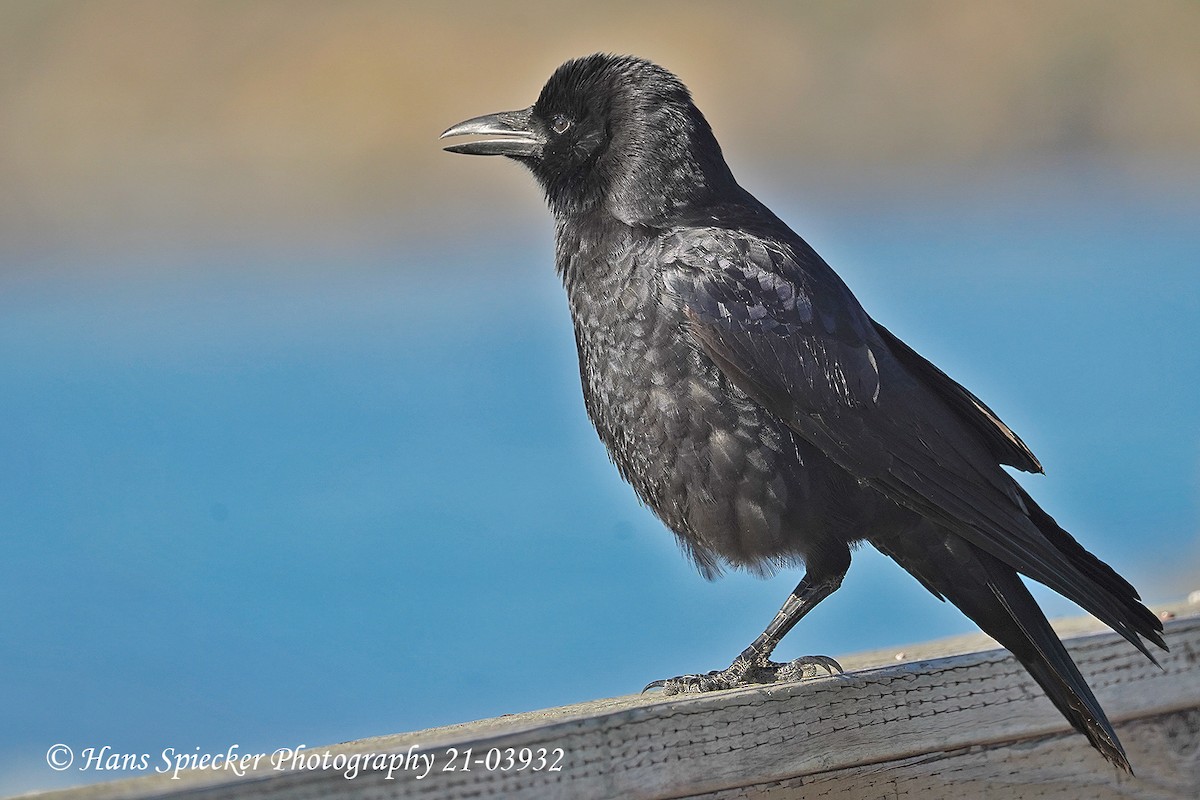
x: 559, y: 123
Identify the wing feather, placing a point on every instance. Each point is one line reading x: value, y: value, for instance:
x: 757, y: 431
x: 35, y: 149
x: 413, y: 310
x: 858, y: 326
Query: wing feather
x: 783, y: 328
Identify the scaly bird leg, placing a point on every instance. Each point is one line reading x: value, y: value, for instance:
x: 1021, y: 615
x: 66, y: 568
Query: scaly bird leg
x: 754, y: 664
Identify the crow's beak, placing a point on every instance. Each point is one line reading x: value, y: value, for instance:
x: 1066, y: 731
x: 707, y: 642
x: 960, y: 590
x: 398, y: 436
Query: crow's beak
x: 512, y: 134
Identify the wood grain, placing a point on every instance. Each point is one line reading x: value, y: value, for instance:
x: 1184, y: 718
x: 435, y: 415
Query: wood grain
x: 971, y: 724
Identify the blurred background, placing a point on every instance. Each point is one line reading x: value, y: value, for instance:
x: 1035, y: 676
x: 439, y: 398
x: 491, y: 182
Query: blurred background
x: 293, y: 449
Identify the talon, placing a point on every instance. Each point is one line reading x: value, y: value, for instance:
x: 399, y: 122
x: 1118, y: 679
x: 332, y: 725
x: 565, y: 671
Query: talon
x: 831, y: 665
x: 745, y: 672
x: 794, y: 670
x: 689, y: 684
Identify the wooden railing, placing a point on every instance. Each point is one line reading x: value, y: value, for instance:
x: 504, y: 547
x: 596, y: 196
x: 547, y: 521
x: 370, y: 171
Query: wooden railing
x: 953, y: 719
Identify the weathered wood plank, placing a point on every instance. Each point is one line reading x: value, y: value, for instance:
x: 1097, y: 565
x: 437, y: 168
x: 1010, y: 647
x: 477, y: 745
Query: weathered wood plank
x: 1166, y: 750
x: 956, y: 722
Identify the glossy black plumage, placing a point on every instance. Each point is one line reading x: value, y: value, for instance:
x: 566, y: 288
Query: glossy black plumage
x: 754, y: 405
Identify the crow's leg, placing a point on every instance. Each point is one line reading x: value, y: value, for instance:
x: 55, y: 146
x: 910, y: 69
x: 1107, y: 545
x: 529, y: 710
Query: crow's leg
x: 822, y: 579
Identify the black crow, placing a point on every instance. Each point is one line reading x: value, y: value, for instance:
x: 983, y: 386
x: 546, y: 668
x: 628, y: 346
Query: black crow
x: 759, y: 411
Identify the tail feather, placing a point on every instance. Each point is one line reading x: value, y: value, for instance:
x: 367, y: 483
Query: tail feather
x: 1132, y: 613
x: 992, y: 595
x: 1039, y: 649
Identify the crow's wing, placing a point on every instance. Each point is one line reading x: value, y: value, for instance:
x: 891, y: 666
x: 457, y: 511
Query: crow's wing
x: 783, y: 328
x: 1001, y: 442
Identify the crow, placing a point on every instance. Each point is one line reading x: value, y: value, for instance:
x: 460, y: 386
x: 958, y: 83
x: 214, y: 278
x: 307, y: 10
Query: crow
x: 759, y: 411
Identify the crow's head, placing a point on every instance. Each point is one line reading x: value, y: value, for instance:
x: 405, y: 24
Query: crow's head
x: 614, y: 134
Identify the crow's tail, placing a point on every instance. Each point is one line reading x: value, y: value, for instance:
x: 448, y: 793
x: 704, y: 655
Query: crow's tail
x: 992, y: 594
x: 1123, y: 610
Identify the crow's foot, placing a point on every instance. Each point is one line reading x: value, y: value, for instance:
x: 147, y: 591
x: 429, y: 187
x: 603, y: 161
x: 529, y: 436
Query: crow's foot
x: 743, y: 672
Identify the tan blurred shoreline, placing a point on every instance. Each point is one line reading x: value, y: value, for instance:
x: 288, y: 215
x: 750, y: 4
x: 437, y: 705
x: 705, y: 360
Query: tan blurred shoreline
x: 126, y: 123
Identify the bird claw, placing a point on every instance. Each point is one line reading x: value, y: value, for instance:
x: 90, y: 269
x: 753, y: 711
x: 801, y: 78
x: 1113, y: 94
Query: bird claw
x: 741, y: 673
x: 805, y: 667
x: 694, y: 684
